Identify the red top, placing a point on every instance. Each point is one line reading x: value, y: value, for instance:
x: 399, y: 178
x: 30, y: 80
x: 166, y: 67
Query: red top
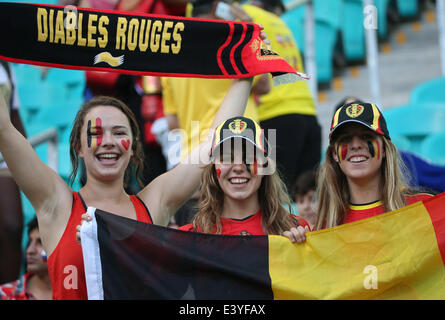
x: 363, y: 211
x: 248, y: 226
x: 16, y: 290
x: 65, y: 264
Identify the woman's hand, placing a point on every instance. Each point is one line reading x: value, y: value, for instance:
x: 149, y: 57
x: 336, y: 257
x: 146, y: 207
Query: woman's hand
x: 297, y: 234
x: 85, y: 217
x: 4, y: 112
x: 263, y: 36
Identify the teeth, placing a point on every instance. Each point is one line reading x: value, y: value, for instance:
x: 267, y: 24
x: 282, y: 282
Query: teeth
x: 238, y: 180
x: 107, y: 156
x: 357, y: 159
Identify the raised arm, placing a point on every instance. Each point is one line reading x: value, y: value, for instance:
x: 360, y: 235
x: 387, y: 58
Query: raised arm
x: 169, y: 191
x: 43, y: 187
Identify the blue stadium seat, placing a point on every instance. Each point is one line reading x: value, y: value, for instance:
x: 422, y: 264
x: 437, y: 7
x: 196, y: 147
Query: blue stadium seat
x: 433, y: 148
x: 407, y: 8
x: 415, y: 123
x: 401, y: 142
x: 329, y: 11
x: 325, y: 41
x: 353, y: 35
x: 429, y: 92
x: 74, y: 81
x: 327, y: 25
x: 25, y: 73
x: 382, y: 9
x: 295, y: 21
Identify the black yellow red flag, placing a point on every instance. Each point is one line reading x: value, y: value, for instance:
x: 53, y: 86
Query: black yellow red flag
x: 396, y: 255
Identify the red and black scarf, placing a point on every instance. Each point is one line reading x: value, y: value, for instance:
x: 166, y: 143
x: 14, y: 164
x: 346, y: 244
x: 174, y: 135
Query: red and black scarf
x: 141, y: 44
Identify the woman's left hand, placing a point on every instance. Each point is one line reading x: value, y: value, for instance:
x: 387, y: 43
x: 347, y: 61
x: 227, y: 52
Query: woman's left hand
x: 297, y: 234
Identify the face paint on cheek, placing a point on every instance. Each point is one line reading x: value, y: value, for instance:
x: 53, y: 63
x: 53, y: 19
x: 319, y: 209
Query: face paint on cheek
x: 44, y: 256
x: 342, y: 151
x: 94, y: 133
x: 252, y: 168
x: 125, y: 143
x: 374, y: 148
x: 218, y: 173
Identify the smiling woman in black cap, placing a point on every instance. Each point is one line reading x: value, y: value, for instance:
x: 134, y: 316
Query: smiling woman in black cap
x: 363, y: 175
x: 241, y: 192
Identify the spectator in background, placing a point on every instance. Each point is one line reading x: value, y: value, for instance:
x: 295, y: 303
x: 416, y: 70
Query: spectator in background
x: 35, y: 283
x: 11, y: 215
x: 289, y: 108
x: 304, y: 193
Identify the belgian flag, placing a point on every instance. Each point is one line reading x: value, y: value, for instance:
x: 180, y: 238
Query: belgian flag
x: 396, y: 255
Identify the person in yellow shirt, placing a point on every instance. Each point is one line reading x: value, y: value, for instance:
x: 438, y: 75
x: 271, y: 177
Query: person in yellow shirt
x: 190, y: 104
x: 288, y: 108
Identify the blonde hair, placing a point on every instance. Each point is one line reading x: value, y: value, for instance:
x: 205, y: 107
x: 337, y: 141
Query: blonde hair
x: 271, y: 194
x: 333, y: 190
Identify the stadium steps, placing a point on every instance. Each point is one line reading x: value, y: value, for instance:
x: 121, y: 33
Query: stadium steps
x: 410, y: 57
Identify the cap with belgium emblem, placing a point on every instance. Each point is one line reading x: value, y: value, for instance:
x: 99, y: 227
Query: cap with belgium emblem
x: 240, y: 127
x: 367, y: 114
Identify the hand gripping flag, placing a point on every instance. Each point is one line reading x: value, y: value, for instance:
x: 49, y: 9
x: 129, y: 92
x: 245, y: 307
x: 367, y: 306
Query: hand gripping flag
x: 141, y: 44
x: 396, y: 255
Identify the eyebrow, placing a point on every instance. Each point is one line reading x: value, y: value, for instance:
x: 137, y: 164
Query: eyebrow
x: 114, y: 127
x: 119, y: 127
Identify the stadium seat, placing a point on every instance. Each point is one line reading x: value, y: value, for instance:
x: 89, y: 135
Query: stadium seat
x: 327, y: 25
x: 433, y: 148
x: 295, y: 21
x: 353, y: 35
x: 382, y: 9
x: 407, y: 8
x: 74, y: 81
x: 25, y: 73
x: 429, y: 92
x: 415, y: 123
x: 329, y: 11
x: 401, y: 142
x: 325, y: 41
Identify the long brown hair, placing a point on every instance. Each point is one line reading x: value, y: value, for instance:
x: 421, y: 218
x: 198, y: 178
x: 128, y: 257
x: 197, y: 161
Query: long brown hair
x: 333, y: 190
x: 136, y: 164
x: 272, y: 196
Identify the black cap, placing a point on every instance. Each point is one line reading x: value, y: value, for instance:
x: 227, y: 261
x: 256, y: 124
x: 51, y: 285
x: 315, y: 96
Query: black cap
x: 367, y: 114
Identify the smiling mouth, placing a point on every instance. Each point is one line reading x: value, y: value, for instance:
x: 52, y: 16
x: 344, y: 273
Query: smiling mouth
x: 238, y: 180
x: 357, y: 159
x: 105, y: 157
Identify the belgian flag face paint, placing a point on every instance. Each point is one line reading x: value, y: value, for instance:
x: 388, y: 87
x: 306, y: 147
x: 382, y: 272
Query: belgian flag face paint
x: 252, y: 167
x: 342, y: 151
x: 374, y: 148
x: 94, y: 133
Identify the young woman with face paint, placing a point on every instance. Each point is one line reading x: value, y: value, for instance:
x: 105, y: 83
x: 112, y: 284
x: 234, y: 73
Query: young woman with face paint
x: 239, y: 194
x: 363, y: 175
x: 106, y: 137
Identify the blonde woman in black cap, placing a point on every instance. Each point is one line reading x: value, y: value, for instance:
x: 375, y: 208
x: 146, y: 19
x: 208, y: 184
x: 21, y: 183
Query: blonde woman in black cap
x: 363, y: 175
x: 241, y: 192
